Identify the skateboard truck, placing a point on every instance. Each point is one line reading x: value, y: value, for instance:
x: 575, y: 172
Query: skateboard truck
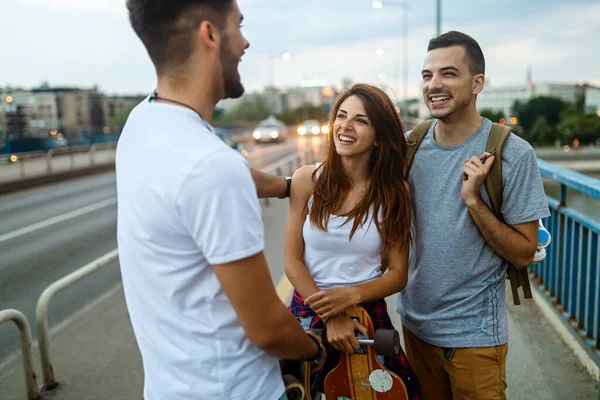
x: 386, y: 342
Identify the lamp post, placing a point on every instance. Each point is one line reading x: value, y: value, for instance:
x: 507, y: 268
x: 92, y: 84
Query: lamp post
x: 439, y: 18
x: 272, y: 102
x: 405, y: 8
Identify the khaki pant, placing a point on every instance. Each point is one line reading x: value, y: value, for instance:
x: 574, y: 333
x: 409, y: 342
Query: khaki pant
x: 474, y: 373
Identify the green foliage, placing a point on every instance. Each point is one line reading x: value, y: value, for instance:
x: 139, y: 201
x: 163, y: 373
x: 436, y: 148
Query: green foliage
x: 251, y: 109
x: 548, y: 107
x: 307, y: 111
x: 493, y: 116
x: 541, y: 132
x: 585, y: 128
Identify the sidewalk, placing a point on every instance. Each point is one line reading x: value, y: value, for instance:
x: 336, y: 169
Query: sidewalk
x: 96, y: 357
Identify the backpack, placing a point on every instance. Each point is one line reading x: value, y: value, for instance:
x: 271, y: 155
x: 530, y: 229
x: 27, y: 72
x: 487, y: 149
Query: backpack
x: 493, y: 184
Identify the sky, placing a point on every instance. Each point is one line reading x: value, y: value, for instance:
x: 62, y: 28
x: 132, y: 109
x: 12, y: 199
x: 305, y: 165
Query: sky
x: 90, y: 42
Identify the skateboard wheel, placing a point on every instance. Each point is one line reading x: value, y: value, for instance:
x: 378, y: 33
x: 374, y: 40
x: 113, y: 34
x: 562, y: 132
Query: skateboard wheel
x: 387, y: 342
x: 293, y: 388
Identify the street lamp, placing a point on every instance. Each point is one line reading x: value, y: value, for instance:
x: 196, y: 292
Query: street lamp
x: 405, y: 8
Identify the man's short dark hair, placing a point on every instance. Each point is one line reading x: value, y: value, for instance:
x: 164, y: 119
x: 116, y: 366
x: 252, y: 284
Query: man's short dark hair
x: 166, y: 27
x: 473, y: 54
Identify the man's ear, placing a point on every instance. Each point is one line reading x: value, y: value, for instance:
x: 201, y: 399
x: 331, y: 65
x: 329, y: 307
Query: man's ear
x: 208, y: 34
x: 478, y: 83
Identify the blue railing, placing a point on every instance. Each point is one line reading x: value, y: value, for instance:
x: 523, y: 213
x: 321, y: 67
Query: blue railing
x: 570, y: 274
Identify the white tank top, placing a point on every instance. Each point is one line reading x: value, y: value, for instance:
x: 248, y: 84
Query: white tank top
x: 334, y: 260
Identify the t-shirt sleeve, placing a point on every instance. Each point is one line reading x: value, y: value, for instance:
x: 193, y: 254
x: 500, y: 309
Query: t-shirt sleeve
x: 524, y: 199
x: 219, y: 206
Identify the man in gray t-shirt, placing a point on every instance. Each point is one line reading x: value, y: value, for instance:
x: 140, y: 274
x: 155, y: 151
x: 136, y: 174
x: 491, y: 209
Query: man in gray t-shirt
x: 453, y: 309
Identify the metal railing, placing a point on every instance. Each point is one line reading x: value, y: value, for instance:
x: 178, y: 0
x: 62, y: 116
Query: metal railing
x: 25, y: 335
x: 570, y: 274
x: 287, y: 165
x: 41, y: 311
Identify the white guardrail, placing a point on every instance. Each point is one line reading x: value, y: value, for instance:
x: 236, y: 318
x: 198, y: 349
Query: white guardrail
x: 286, y: 166
x: 20, y: 166
x: 25, y: 336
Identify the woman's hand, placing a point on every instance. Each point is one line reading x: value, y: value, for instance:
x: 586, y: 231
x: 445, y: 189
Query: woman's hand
x: 332, y: 302
x: 341, y: 336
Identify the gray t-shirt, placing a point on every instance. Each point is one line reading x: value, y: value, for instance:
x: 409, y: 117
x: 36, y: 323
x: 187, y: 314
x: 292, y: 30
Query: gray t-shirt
x: 455, y: 296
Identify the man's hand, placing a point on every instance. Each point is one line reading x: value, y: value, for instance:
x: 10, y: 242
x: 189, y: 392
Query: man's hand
x: 340, y: 334
x: 473, y: 176
x: 329, y: 303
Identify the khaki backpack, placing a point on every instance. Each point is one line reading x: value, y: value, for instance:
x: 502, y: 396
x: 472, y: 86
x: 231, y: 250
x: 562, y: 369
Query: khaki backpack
x: 493, y: 184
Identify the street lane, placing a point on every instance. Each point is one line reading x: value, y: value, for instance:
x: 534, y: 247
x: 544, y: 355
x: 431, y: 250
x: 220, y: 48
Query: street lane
x: 33, y: 260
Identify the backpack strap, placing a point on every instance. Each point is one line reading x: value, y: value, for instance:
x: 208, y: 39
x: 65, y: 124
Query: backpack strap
x: 414, y: 141
x: 495, y: 188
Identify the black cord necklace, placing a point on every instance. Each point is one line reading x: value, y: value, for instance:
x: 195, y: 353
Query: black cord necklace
x: 155, y: 96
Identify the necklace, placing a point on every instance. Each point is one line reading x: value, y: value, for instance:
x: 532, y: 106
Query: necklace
x: 155, y: 96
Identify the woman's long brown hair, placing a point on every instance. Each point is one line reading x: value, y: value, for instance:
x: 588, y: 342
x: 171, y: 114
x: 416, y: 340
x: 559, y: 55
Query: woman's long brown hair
x: 387, y: 198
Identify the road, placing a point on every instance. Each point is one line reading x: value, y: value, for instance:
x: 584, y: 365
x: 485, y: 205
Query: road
x: 50, y: 231
x: 95, y: 356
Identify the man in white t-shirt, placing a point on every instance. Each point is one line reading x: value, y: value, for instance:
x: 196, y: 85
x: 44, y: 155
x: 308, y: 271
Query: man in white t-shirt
x: 201, y: 301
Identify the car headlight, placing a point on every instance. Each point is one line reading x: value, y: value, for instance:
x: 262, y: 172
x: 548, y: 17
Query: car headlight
x: 315, y: 130
x: 257, y: 135
x: 274, y: 134
x: 301, y: 131
x: 325, y: 129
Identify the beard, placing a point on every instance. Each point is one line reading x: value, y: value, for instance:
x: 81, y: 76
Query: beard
x: 457, y: 107
x: 232, y: 83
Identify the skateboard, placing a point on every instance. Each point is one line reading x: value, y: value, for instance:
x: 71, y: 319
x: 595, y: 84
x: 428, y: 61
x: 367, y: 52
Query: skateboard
x: 296, y: 378
x: 361, y: 376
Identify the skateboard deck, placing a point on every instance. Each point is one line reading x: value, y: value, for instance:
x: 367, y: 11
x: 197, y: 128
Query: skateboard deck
x: 361, y: 376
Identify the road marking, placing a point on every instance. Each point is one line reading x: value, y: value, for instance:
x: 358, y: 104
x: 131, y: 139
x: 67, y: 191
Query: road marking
x: 58, y: 219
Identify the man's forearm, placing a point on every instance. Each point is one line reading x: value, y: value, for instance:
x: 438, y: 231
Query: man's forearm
x: 507, y: 242
x: 268, y: 185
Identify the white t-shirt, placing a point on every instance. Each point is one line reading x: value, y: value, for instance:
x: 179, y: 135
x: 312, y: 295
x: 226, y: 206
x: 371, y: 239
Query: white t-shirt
x: 186, y: 201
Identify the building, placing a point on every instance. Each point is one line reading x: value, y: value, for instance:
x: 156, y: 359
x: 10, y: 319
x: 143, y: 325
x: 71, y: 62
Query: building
x: 503, y: 98
x: 27, y: 114
x: 114, y: 107
x: 79, y: 111
x: 592, y: 100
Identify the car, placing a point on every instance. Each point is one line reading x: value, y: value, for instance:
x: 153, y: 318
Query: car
x: 270, y: 130
x: 312, y: 127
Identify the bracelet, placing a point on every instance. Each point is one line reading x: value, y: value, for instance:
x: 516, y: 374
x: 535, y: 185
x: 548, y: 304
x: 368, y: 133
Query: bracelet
x: 317, y: 357
x: 288, y: 181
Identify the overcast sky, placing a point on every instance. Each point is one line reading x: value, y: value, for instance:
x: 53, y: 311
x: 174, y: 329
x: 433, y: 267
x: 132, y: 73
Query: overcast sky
x: 88, y: 42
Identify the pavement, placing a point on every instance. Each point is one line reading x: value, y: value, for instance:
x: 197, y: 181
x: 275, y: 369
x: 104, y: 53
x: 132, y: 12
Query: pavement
x: 95, y: 355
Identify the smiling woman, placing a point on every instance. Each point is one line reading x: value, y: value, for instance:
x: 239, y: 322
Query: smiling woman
x: 348, y: 227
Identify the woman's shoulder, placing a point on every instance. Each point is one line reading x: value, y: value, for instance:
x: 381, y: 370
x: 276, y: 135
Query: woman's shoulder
x: 302, y: 180
x: 304, y: 175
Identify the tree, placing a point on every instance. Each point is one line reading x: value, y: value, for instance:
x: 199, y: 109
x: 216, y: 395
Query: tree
x: 251, y: 109
x: 541, y: 133
x: 492, y: 115
x: 585, y: 128
x: 304, y: 112
x: 547, y: 107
